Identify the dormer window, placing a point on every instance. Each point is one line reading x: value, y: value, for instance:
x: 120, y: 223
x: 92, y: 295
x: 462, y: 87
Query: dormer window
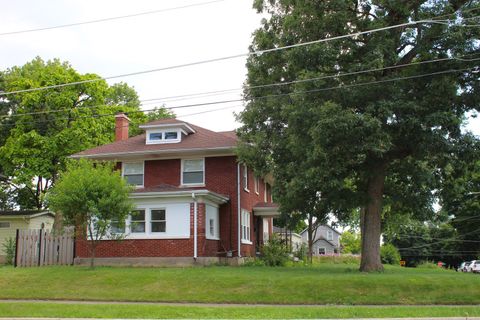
x: 163, y: 136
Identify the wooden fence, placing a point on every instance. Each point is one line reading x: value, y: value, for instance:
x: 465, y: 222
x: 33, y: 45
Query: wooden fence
x: 42, y: 248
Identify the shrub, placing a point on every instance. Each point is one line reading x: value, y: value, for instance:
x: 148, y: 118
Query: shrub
x: 389, y: 254
x: 9, y: 249
x: 428, y: 265
x: 253, y: 262
x: 301, y: 253
x: 274, y: 252
x: 337, y: 259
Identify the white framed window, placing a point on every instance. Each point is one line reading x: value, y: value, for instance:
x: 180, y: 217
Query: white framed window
x: 256, y: 184
x: 4, y: 225
x: 245, y: 178
x: 329, y: 235
x: 268, y: 191
x: 246, y: 227
x: 212, y: 222
x: 137, y: 221
x: 193, y: 171
x: 158, y: 220
x: 322, y: 251
x: 133, y: 172
x: 116, y: 227
x: 163, y: 136
x: 266, y: 228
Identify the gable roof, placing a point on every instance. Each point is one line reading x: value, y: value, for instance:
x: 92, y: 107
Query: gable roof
x: 25, y: 213
x: 202, y: 140
x: 324, y: 225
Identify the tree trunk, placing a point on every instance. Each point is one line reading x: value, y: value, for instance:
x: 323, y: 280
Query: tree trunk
x: 310, y: 238
x: 372, y: 221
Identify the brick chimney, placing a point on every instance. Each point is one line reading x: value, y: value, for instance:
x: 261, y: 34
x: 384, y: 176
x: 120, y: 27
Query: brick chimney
x: 121, y: 126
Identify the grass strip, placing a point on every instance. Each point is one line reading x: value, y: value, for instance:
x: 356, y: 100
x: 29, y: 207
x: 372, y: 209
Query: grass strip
x: 109, y: 311
x: 336, y: 284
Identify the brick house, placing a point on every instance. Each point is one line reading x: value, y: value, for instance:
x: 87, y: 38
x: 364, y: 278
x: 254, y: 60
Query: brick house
x: 195, y: 203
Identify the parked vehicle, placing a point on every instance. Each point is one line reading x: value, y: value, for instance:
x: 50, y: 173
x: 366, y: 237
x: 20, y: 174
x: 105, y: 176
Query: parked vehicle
x: 466, y: 266
x: 461, y: 267
x: 475, y: 266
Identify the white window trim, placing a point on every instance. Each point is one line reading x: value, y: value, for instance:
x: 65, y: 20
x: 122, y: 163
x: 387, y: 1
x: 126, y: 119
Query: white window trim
x: 143, y: 175
x: 202, y: 184
x: 150, y: 220
x: 163, y: 140
x: 329, y: 233
x: 256, y: 182
x: 128, y: 230
x: 244, y: 240
x: 245, y: 178
x: 148, y: 234
x: 265, y: 193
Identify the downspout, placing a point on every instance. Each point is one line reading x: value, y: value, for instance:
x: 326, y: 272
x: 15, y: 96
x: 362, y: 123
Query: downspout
x: 195, y: 218
x: 239, y: 228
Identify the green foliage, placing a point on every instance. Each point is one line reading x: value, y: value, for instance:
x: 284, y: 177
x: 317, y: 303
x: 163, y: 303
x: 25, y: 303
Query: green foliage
x: 428, y: 265
x: 350, y: 242
x: 302, y: 252
x: 389, y: 254
x: 9, y: 250
x: 418, y: 241
x: 254, y: 262
x: 90, y: 196
x: 66, y: 120
x: 274, y: 252
x: 337, y: 259
x: 329, y: 149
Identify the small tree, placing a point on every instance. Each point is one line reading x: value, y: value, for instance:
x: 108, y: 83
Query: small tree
x: 91, y: 196
x: 350, y: 242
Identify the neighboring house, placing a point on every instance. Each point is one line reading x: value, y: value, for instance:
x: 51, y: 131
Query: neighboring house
x: 326, y: 240
x: 294, y: 239
x: 194, y: 201
x: 10, y: 221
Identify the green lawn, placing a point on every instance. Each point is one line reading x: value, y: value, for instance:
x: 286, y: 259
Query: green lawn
x: 8, y: 309
x: 323, y: 284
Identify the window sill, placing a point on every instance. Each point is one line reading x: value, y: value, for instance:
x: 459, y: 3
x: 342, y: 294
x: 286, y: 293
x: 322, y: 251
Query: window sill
x: 246, y: 242
x: 192, y: 185
x: 216, y: 239
x: 256, y: 192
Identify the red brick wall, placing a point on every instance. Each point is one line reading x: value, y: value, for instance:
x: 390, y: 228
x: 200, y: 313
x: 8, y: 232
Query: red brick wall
x: 248, y: 199
x: 220, y: 177
x: 156, y: 247
x: 162, y: 171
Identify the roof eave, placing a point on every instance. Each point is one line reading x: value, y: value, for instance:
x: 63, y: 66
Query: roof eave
x: 230, y: 150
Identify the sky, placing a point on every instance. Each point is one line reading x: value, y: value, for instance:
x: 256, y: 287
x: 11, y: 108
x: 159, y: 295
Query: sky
x: 141, y: 43
x: 145, y: 42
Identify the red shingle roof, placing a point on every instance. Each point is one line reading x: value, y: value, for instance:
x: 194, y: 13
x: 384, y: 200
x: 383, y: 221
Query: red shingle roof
x: 200, y: 140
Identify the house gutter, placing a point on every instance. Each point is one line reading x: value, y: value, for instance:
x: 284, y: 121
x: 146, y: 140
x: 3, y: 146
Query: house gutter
x: 239, y: 228
x: 195, y: 218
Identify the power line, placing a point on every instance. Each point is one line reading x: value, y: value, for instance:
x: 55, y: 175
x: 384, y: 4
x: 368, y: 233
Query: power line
x: 285, y: 94
x: 276, y: 95
x: 68, y: 25
x: 252, y: 53
x: 217, y: 92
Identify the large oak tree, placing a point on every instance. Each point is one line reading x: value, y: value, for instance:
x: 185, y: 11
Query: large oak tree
x: 367, y: 140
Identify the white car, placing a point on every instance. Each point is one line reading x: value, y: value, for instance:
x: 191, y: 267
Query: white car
x: 475, y: 266
x: 466, y: 266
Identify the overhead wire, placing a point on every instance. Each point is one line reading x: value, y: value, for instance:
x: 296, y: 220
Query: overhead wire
x: 302, y: 92
x: 247, y: 54
x: 144, y: 13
